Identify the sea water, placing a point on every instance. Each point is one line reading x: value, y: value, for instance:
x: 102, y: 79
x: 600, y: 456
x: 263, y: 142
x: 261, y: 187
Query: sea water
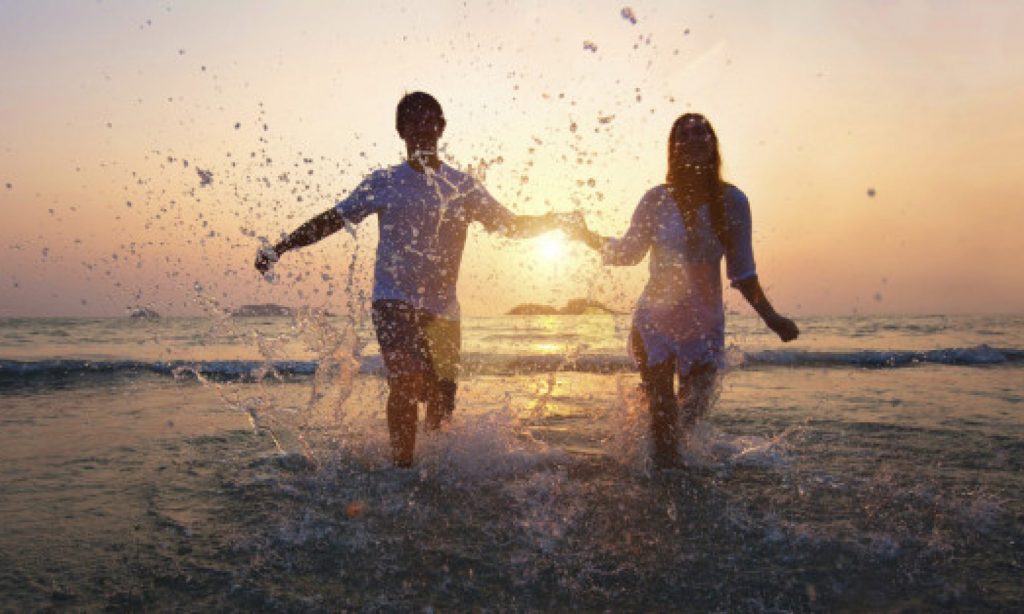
x: 243, y: 463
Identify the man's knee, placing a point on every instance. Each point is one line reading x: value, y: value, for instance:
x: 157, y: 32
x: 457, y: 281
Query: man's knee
x: 412, y: 386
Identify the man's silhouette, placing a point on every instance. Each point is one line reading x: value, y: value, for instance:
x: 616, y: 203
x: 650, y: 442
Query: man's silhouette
x: 423, y: 208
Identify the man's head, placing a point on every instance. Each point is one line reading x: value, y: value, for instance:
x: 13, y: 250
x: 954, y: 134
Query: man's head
x: 419, y: 119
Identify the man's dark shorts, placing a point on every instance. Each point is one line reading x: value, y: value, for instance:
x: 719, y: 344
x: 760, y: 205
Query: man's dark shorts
x: 413, y: 341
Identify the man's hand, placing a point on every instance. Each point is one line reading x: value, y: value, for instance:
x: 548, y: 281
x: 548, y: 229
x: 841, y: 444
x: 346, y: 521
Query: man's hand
x: 265, y: 258
x: 785, y: 328
x: 574, y: 225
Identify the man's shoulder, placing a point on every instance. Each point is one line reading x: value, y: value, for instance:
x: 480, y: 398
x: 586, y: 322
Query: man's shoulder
x: 457, y: 177
x: 386, y: 174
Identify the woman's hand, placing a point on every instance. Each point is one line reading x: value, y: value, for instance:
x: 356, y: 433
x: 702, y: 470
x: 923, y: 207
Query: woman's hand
x: 785, y: 328
x: 575, y: 226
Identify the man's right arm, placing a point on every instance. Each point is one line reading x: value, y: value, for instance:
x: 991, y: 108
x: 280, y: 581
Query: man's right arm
x: 323, y: 225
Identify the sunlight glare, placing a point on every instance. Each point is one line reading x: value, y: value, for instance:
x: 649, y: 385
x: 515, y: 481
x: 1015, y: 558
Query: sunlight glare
x: 551, y: 247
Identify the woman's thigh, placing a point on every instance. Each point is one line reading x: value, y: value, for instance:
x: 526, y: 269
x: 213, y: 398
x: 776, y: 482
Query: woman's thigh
x: 657, y: 378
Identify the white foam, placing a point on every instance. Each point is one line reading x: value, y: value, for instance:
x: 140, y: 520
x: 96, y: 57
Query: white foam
x: 707, y: 446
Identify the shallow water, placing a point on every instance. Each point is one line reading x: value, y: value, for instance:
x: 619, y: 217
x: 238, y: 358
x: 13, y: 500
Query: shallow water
x: 814, y: 485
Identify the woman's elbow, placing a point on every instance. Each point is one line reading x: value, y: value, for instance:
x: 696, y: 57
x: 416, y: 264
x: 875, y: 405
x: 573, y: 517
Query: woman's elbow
x: 612, y: 259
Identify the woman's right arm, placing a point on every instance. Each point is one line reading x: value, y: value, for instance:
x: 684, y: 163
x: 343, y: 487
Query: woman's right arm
x: 628, y: 250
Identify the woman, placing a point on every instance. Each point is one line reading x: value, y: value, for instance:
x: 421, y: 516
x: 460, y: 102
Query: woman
x: 688, y: 224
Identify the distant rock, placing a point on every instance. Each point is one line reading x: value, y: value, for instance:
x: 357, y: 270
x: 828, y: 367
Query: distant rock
x: 582, y: 306
x: 575, y: 307
x: 533, y: 309
x: 143, y: 313
x: 262, y: 311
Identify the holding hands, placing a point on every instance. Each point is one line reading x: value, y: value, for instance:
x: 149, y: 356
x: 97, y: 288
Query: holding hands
x: 574, y: 225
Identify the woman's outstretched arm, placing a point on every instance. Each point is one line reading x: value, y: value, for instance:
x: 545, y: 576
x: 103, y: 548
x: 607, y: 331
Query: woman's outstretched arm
x: 628, y: 250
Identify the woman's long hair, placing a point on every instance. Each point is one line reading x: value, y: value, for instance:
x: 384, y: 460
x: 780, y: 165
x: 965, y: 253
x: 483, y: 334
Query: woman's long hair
x: 693, y: 185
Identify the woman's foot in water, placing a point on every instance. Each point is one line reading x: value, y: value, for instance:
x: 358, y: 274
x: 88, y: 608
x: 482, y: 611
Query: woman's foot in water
x: 667, y: 457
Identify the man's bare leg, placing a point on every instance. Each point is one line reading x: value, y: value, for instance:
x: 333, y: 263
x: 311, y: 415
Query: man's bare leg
x: 440, y: 403
x: 404, y: 395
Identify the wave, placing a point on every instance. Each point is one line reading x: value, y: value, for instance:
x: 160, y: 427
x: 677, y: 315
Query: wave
x: 981, y: 355
x: 509, y: 364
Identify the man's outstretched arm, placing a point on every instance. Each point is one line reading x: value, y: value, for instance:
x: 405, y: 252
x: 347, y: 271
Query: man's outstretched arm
x: 526, y: 226
x: 318, y: 227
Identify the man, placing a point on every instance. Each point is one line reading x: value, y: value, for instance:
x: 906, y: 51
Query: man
x: 423, y: 208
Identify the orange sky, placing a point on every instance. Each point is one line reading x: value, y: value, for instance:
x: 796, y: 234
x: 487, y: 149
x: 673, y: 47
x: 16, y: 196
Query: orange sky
x: 815, y: 104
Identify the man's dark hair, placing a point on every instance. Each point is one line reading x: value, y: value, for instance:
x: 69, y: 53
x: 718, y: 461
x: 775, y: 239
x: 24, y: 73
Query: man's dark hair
x: 413, y: 104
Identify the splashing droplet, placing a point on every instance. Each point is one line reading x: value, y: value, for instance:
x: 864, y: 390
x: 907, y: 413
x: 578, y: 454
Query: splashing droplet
x: 355, y: 509
x: 628, y: 14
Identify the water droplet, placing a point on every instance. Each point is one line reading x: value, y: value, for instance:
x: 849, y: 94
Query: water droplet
x: 356, y: 508
x: 628, y: 14
x: 590, y: 46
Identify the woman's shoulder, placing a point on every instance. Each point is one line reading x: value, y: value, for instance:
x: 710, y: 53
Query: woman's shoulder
x: 654, y: 200
x: 733, y: 193
x: 656, y: 195
x: 735, y: 200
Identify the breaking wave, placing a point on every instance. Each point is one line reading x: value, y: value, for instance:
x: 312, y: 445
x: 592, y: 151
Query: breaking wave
x: 508, y: 364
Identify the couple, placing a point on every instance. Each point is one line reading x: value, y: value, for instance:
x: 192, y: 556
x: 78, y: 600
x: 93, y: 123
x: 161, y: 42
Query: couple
x: 424, y: 208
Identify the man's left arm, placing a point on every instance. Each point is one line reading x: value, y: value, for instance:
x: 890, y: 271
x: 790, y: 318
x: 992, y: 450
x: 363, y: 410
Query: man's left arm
x: 526, y: 226
x: 495, y: 217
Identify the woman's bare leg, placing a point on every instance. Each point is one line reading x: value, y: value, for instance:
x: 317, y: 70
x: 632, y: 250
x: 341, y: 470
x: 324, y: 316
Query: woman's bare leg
x: 698, y: 391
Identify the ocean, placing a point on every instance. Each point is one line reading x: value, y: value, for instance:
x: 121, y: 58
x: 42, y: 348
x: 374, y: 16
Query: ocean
x: 225, y: 463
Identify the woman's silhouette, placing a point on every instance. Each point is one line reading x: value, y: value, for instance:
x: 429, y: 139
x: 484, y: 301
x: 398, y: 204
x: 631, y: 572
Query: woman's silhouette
x: 688, y: 224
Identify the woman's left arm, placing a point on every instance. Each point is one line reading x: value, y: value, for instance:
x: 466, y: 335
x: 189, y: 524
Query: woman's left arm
x: 751, y: 290
x: 739, y: 259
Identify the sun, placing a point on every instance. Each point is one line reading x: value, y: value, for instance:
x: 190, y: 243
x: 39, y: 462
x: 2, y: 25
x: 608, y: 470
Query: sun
x: 551, y: 248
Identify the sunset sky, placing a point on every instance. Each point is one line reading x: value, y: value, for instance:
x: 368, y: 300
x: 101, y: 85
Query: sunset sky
x: 879, y: 142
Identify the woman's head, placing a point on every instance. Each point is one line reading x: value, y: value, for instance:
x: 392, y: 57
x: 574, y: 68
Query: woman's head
x: 693, y: 145
x: 695, y: 170
x: 694, y: 164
